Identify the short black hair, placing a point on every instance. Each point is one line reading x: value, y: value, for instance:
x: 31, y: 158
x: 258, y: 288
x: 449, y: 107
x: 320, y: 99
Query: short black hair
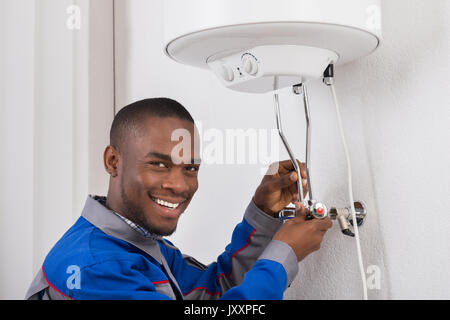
x: 130, y: 118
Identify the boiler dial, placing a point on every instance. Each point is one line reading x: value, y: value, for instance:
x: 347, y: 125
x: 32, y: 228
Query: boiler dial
x: 250, y: 65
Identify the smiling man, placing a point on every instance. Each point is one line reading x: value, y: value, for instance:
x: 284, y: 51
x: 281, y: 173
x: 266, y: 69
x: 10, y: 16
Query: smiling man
x: 146, y: 187
x: 116, y: 249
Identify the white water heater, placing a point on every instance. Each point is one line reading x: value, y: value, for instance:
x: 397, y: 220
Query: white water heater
x: 246, y: 43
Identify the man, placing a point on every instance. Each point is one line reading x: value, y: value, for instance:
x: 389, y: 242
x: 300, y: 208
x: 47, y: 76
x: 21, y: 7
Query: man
x: 116, y: 249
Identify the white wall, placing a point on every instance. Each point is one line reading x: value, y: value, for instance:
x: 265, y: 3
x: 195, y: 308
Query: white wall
x: 395, y: 105
x: 56, y: 104
x: 16, y: 144
x: 56, y: 100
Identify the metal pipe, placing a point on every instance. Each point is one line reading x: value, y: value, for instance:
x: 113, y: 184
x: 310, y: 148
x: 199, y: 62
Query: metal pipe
x: 308, y: 141
x: 286, y: 144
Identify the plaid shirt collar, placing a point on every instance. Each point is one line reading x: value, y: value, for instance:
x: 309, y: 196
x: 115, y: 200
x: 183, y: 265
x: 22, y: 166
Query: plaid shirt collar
x: 133, y: 225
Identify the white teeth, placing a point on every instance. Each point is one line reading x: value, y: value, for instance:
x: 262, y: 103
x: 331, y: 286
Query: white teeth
x: 167, y: 204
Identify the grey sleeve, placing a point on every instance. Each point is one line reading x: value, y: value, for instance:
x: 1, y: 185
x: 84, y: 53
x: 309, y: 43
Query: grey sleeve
x: 282, y: 253
x: 39, y: 285
x: 269, y: 249
x: 261, y: 221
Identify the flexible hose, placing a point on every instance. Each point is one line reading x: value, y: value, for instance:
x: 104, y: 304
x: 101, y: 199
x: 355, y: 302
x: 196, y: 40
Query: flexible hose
x: 350, y: 193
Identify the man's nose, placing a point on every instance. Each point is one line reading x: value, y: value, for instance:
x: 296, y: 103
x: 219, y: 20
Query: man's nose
x: 176, y: 181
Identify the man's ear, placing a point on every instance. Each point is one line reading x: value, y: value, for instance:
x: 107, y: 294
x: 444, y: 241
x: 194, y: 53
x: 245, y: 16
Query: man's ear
x: 111, y: 160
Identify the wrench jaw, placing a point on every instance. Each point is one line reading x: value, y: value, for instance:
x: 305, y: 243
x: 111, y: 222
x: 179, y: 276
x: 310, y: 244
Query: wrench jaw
x: 286, y: 214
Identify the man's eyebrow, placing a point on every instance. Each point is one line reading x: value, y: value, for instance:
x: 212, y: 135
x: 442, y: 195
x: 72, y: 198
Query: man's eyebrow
x: 152, y: 154
x: 166, y: 157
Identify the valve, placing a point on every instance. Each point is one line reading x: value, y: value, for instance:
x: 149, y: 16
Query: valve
x: 317, y: 210
x: 344, y: 216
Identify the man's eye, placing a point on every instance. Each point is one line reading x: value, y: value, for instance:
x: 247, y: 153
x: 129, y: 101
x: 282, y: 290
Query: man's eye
x: 192, y: 168
x: 158, y: 164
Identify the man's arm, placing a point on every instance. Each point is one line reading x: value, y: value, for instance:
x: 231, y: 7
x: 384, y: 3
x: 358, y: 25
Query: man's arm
x: 274, y: 271
x: 251, y: 240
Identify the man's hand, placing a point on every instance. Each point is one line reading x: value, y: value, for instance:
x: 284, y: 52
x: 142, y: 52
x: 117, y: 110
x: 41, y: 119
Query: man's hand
x: 303, y: 236
x: 277, y: 190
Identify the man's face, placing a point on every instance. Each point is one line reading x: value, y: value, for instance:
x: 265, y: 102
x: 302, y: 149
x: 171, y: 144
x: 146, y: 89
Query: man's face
x: 158, y: 180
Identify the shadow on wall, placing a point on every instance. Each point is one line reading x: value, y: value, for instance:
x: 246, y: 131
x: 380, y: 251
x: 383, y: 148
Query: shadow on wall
x: 382, y: 85
x: 129, y: 41
x: 406, y: 39
x: 370, y: 90
x: 121, y: 54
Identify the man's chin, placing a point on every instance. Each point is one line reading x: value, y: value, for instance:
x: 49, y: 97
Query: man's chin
x: 165, y: 233
x: 162, y: 230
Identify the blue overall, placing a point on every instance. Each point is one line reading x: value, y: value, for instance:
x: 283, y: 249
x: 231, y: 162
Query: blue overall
x: 102, y: 257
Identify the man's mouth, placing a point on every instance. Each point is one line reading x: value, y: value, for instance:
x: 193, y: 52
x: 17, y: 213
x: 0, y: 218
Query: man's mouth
x: 172, y: 204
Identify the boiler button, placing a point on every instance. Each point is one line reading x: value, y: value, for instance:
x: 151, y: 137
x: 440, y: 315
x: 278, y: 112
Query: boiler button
x: 226, y: 73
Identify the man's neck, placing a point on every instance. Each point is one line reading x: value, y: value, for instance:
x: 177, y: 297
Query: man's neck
x: 136, y: 226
